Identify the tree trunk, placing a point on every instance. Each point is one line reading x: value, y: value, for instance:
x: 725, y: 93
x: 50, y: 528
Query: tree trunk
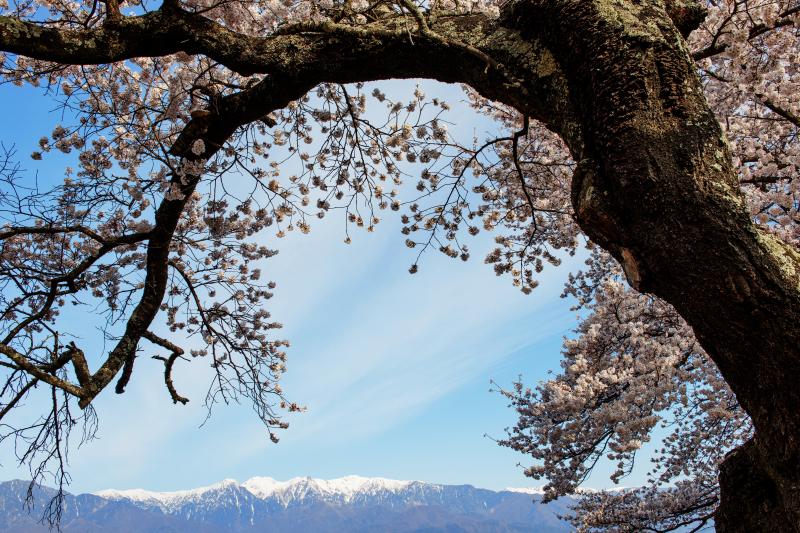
x: 655, y: 187
x: 750, y: 499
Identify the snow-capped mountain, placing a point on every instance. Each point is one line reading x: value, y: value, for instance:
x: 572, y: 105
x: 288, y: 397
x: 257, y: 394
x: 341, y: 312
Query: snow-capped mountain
x: 344, y: 490
x: 351, y: 503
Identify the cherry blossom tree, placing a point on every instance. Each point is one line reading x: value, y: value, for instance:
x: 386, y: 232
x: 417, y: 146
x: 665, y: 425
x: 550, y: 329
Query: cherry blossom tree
x: 662, y: 134
x: 635, y: 364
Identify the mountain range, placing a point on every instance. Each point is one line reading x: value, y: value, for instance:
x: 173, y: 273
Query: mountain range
x: 300, y: 505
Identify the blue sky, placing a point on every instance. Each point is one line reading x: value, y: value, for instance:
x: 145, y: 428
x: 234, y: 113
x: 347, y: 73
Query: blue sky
x: 394, y: 368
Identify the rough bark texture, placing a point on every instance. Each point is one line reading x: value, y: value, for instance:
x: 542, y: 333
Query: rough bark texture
x: 656, y: 188
x: 654, y: 183
x: 750, y: 499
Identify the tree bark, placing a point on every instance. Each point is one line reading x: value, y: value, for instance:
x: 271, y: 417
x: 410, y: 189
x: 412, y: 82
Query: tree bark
x: 656, y: 188
x: 750, y: 499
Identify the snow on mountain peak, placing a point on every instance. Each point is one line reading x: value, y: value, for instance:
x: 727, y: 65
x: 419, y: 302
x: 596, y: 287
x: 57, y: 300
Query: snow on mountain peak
x: 164, y: 499
x: 344, y: 488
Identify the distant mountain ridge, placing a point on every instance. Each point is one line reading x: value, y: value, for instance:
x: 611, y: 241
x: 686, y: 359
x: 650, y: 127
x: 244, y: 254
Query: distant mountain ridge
x: 299, y: 505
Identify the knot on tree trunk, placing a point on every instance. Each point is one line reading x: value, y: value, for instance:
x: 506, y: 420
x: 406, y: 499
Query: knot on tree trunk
x: 687, y: 15
x: 591, y: 202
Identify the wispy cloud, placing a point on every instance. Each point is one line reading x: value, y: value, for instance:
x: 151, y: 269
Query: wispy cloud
x: 372, y: 348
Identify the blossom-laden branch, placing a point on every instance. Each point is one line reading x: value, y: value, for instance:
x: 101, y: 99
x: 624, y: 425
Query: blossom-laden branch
x: 633, y: 366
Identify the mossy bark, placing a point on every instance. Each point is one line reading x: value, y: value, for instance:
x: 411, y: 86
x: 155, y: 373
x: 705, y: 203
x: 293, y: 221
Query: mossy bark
x: 656, y: 188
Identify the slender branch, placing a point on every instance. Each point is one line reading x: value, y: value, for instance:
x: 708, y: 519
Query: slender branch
x: 515, y: 155
x: 781, y: 111
x: 784, y: 19
x: 44, y: 373
x: 214, y: 127
x: 51, y: 230
x: 190, y: 285
x: 70, y: 277
x: 177, y: 352
x: 20, y: 394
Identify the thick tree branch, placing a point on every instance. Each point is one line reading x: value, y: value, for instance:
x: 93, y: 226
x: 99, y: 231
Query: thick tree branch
x: 46, y: 372
x: 171, y: 29
x: 214, y: 128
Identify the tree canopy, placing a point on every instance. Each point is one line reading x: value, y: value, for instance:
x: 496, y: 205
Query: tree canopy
x: 661, y: 135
